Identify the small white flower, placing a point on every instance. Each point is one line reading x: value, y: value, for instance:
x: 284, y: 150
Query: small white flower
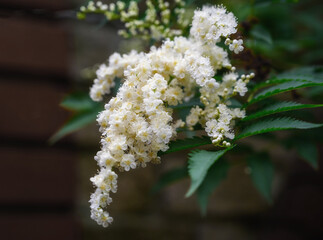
x: 236, y: 46
x: 128, y: 161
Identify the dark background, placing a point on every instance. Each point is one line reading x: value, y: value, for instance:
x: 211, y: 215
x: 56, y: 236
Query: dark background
x: 44, y: 189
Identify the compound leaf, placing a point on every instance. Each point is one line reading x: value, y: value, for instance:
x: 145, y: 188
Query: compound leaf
x: 198, y: 164
x: 283, y: 87
x: 279, y: 107
x: 262, y: 174
x: 216, y: 174
x: 277, y: 124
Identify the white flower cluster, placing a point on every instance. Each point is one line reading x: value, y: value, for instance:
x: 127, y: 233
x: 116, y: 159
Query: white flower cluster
x: 138, y: 122
x: 216, y: 116
x: 155, y: 23
x: 211, y: 23
x: 92, y: 6
x: 106, y: 74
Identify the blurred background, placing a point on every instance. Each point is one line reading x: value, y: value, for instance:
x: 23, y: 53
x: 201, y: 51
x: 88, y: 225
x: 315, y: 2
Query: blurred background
x: 45, y: 188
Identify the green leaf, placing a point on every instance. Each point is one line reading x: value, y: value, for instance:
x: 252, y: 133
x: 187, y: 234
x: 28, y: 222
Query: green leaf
x: 216, y: 174
x: 80, y: 15
x: 198, y: 164
x: 189, y: 2
x: 191, y: 103
x: 306, y: 74
x: 77, y: 121
x: 279, y: 107
x: 170, y: 177
x: 300, y: 76
x: 78, y: 102
x: 276, y: 1
x: 283, y: 87
x: 187, y: 143
x: 277, y: 124
x: 262, y: 174
x: 85, y: 111
x: 259, y: 32
x: 308, y: 151
x: 315, y: 91
x: 234, y: 103
x: 315, y: 71
x: 269, y: 82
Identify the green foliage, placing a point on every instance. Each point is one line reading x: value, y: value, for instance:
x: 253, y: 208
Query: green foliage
x: 307, y: 150
x: 279, y: 107
x: 187, y: 143
x: 276, y: 1
x: 84, y: 112
x: 79, y: 101
x: 262, y: 174
x: 316, y: 72
x: 312, y: 74
x: 170, y: 177
x: 234, y: 103
x: 216, y: 174
x: 193, y: 102
x: 262, y: 34
x: 268, y: 83
x: 314, y: 92
x: 294, y: 43
x: 270, y: 125
x: 198, y: 164
x: 284, y: 87
x: 75, y: 123
x: 80, y: 16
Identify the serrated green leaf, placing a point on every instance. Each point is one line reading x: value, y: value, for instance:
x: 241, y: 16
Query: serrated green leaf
x: 170, y: 177
x: 277, y: 124
x: 268, y: 83
x: 77, y: 121
x: 308, y: 152
x: 306, y: 74
x: 187, y: 143
x: 198, y: 164
x: 279, y: 107
x: 298, y: 76
x: 283, y: 87
x: 216, y: 174
x: 262, y: 174
x: 78, y: 102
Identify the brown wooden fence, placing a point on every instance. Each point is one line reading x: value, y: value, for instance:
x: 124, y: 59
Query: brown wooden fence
x: 37, y: 181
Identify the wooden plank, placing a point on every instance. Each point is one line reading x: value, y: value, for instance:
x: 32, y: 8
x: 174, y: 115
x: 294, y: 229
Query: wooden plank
x: 30, y: 110
x: 38, y: 4
x: 33, y: 45
x: 37, y: 176
x: 38, y: 227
